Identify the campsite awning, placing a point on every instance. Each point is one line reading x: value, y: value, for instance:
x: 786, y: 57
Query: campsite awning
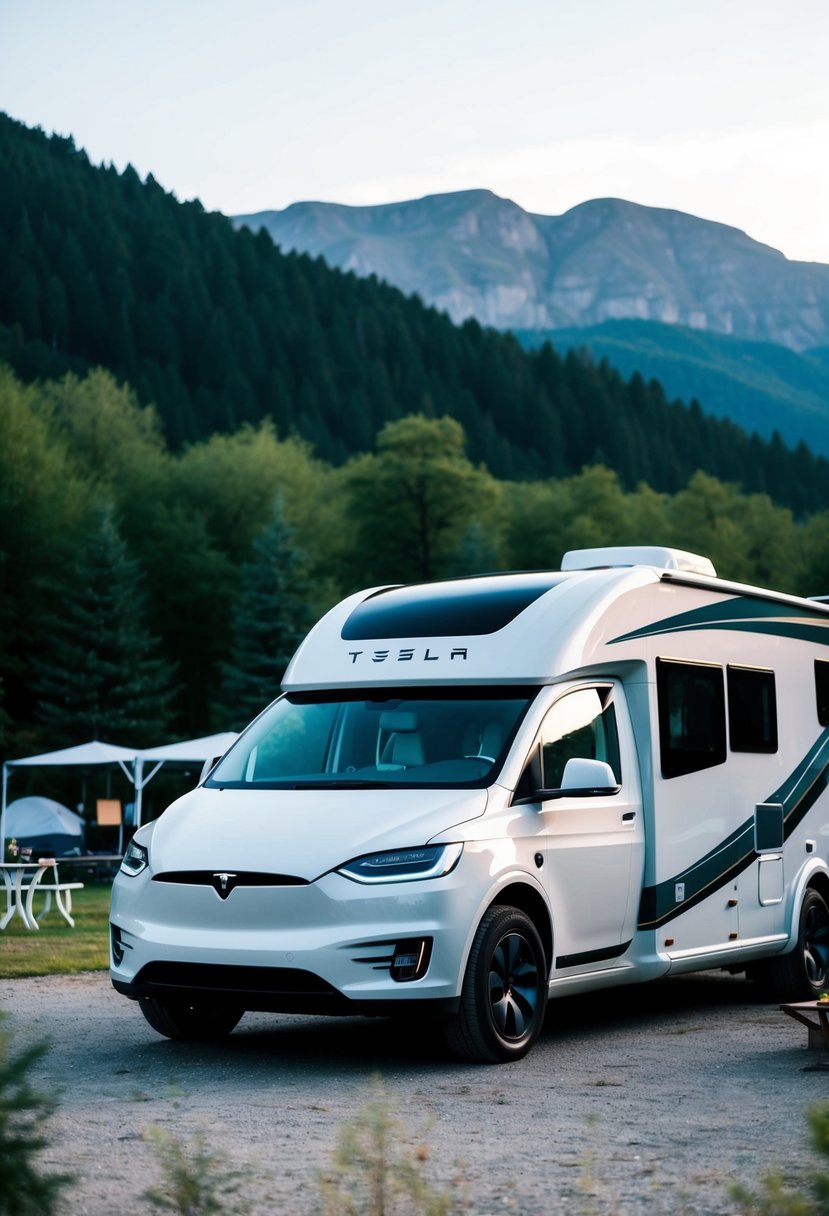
x: 190, y: 751
x: 130, y: 760
x: 82, y: 755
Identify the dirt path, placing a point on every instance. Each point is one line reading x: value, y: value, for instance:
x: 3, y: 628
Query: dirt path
x: 649, y: 1099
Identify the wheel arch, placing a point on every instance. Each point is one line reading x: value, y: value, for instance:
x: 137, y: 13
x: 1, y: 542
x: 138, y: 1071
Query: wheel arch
x: 530, y: 901
x: 815, y: 877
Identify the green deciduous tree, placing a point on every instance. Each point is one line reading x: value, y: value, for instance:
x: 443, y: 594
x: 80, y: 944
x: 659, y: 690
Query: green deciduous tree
x: 415, y: 499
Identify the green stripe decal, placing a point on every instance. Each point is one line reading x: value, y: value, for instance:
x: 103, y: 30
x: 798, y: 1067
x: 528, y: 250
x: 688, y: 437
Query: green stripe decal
x: 797, y: 795
x: 746, y: 614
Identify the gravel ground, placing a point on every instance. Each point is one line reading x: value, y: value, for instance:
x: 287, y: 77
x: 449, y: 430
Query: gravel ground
x: 647, y: 1099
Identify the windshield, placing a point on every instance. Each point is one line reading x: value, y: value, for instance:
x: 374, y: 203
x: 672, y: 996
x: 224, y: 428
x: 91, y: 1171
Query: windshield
x: 412, y: 737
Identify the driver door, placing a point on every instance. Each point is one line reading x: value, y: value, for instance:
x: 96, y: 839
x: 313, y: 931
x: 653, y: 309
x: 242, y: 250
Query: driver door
x: 593, y: 843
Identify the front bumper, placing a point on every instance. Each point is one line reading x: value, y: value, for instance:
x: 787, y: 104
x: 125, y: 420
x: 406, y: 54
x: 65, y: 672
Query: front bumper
x: 328, y: 946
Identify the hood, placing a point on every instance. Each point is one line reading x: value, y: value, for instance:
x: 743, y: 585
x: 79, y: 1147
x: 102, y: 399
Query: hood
x: 304, y: 833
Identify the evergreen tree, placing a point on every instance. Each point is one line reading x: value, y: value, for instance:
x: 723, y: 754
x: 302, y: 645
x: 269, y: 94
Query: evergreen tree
x: 98, y: 676
x: 4, y: 718
x: 270, y: 617
x: 24, y: 1110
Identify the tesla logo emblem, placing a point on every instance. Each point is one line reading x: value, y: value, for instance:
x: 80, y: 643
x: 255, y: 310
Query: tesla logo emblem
x: 223, y: 884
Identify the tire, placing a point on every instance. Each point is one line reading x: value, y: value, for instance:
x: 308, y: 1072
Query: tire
x: 801, y: 975
x: 195, y: 1023
x: 504, y: 995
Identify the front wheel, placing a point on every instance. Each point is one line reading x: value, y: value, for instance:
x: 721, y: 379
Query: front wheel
x: 504, y: 993
x: 801, y: 975
x: 196, y: 1022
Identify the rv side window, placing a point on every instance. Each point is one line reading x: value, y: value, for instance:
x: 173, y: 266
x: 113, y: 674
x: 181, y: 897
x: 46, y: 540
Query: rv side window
x: 752, y: 710
x: 581, y: 724
x: 822, y: 691
x: 691, y: 701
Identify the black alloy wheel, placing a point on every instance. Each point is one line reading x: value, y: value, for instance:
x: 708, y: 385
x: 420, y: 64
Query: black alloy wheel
x: 504, y: 995
x: 803, y: 973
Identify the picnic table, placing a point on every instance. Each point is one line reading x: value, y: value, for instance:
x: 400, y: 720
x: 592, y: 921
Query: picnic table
x: 818, y: 1030
x: 22, y: 880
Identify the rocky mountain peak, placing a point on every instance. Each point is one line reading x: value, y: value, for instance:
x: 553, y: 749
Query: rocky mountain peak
x: 475, y: 254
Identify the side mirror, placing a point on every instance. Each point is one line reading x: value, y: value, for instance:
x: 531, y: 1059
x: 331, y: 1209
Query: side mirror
x: 207, y: 768
x: 587, y: 776
x: 581, y: 778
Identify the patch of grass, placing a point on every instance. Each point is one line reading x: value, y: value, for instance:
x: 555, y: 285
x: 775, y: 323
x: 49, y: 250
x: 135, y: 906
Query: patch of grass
x: 197, y: 1180
x: 375, y: 1172
x: 779, y: 1194
x: 56, y: 948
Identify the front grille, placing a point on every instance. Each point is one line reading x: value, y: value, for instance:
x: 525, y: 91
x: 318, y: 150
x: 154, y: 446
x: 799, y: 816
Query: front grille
x: 267, y: 989
x: 218, y: 977
x: 241, y: 878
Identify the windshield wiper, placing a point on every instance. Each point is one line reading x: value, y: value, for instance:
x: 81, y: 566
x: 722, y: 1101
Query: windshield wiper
x: 360, y: 784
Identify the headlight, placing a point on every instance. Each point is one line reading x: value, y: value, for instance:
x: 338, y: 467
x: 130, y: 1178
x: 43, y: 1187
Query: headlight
x: 404, y: 865
x: 136, y: 858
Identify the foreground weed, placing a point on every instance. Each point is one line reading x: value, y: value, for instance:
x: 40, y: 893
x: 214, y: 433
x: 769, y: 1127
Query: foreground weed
x: 196, y: 1180
x: 24, y: 1191
x: 373, y: 1174
x: 593, y: 1189
x: 777, y: 1198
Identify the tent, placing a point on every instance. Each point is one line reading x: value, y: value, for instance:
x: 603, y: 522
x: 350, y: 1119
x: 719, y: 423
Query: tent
x: 203, y: 751
x: 47, y: 827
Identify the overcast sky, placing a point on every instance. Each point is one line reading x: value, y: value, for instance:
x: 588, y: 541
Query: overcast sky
x: 716, y: 107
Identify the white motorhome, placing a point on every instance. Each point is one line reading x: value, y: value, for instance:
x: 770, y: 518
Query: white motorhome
x: 476, y: 795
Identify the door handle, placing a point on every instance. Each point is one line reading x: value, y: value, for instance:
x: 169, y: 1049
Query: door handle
x: 628, y: 816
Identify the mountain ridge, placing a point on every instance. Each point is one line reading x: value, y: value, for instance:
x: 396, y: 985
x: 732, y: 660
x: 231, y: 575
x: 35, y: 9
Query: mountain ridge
x: 475, y: 254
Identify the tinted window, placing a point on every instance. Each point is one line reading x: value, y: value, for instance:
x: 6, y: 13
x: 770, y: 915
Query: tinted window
x: 579, y: 725
x: 752, y: 710
x: 462, y: 609
x: 768, y: 827
x: 691, y: 701
x: 822, y: 691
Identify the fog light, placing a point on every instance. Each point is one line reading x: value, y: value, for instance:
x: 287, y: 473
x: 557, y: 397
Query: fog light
x: 411, y: 959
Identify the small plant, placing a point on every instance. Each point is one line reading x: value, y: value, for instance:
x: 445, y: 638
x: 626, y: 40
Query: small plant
x: 373, y: 1174
x: 197, y: 1180
x: 778, y: 1199
x: 24, y: 1191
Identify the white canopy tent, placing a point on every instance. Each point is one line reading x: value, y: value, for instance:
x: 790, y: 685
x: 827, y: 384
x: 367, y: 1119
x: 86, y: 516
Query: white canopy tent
x: 192, y: 751
x: 84, y: 755
x: 129, y: 760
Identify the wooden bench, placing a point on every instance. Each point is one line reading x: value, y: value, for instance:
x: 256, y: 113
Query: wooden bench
x: 818, y: 1030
